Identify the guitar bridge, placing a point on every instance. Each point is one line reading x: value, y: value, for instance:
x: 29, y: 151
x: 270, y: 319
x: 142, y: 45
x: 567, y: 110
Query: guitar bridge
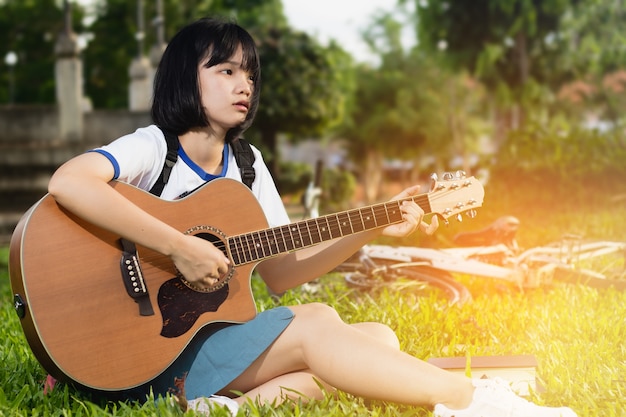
x: 133, y: 278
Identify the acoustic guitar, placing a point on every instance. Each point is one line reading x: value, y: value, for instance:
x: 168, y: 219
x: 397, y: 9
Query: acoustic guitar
x: 106, y: 315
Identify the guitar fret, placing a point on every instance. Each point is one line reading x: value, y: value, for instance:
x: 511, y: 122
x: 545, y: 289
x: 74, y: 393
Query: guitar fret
x: 262, y: 244
x: 266, y: 244
x: 236, y: 249
x: 288, y: 239
x: 250, y: 247
x: 232, y: 247
x: 380, y: 214
x: 307, y: 225
x: 424, y: 202
x: 240, y: 249
x: 323, y: 228
x: 247, y: 248
x: 297, y: 242
x: 277, y: 248
x: 259, y: 246
x: 394, y: 215
x: 369, y: 221
x: 283, y: 239
x: 356, y: 221
x: 344, y: 224
x: 333, y: 226
x: 314, y: 231
x: 254, y: 250
x: 306, y: 236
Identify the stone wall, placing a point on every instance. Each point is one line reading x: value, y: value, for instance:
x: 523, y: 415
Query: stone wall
x: 30, y: 151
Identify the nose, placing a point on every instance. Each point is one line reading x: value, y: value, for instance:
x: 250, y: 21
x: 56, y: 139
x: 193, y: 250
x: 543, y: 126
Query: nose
x: 246, y: 85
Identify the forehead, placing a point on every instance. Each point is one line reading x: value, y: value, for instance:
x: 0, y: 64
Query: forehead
x: 212, y: 59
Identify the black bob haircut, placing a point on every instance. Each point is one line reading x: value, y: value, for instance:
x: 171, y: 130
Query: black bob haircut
x: 176, y: 103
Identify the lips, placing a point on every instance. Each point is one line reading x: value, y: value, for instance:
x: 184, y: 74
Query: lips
x: 243, y: 104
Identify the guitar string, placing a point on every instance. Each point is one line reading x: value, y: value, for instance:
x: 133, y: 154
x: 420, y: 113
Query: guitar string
x: 247, y: 253
x: 266, y: 246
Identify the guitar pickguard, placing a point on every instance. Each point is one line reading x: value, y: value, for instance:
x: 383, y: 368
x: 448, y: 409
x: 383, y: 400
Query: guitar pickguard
x: 181, y: 306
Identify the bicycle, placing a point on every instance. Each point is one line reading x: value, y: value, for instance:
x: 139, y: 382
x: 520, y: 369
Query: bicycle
x: 491, y: 253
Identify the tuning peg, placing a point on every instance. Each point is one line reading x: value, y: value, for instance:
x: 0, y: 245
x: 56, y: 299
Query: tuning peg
x: 460, y: 174
x: 448, y: 176
x: 471, y: 213
x: 433, y: 181
x: 459, y: 218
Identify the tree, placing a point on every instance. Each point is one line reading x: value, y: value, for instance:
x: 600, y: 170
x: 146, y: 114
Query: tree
x: 594, y: 34
x: 303, y: 91
x: 504, y: 43
x: 109, y: 53
x: 30, y: 28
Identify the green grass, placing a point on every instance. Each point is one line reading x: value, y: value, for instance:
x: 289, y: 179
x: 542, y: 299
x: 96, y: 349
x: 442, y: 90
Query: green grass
x: 576, y: 333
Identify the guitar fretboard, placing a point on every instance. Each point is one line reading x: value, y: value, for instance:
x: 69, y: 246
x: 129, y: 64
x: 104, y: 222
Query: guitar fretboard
x: 262, y: 244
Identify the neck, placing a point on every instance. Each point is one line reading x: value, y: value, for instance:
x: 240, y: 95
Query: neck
x: 205, y: 149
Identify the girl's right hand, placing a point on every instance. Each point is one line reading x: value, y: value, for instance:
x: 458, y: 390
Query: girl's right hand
x: 199, y: 261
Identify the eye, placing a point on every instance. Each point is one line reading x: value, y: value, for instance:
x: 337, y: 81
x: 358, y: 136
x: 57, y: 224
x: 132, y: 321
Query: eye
x: 227, y: 71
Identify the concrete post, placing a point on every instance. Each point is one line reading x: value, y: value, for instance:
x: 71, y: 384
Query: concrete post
x: 140, y: 85
x: 69, y: 82
x: 139, y: 89
x: 156, y: 51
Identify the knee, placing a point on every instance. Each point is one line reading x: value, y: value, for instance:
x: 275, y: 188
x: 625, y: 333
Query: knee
x: 380, y: 332
x: 318, y: 312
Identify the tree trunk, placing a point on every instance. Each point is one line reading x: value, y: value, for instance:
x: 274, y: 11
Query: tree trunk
x: 373, y: 175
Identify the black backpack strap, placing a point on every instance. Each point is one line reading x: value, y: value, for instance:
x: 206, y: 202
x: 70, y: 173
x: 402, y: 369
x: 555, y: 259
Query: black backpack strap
x: 245, y: 159
x: 170, y: 159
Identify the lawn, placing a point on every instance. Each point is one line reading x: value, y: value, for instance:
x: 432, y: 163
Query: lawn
x: 576, y: 333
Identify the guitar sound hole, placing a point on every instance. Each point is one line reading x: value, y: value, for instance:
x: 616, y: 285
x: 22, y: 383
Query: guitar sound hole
x: 217, y: 241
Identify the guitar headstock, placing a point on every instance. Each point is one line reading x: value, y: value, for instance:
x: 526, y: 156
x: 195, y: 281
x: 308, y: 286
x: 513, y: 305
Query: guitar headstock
x: 454, y: 194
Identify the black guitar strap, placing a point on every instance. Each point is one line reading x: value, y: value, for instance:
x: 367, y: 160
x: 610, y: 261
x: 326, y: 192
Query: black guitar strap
x: 170, y: 160
x: 245, y: 159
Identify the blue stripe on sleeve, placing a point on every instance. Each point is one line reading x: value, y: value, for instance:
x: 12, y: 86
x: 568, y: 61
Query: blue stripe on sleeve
x: 116, y: 167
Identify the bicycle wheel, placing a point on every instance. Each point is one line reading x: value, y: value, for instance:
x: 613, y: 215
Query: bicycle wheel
x: 456, y: 292
x: 432, y: 280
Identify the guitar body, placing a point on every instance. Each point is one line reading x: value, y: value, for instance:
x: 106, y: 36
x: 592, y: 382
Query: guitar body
x: 79, y: 319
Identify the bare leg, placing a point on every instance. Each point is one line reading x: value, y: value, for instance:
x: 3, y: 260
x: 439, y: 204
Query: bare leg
x: 306, y: 385
x: 350, y: 358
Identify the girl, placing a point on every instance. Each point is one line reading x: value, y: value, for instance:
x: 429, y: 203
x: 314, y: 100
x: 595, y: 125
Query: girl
x: 206, y: 92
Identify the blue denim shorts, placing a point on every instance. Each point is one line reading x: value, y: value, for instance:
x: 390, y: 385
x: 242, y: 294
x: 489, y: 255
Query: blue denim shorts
x: 215, y: 357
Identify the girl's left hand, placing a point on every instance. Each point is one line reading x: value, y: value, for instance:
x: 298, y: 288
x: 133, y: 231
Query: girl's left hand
x: 413, y: 216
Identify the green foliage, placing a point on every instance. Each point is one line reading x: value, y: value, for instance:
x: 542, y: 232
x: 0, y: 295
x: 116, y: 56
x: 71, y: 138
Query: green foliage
x: 303, y: 88
x: 498, y: 41
x: 294, y: 177
x: 108, y: 55
x: 576, y: 157
x: 338, y: 187
x: 301, y: 91
x: 30, y: 29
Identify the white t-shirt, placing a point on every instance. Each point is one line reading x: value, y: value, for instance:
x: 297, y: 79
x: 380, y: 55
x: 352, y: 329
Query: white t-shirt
x: 138, y: 159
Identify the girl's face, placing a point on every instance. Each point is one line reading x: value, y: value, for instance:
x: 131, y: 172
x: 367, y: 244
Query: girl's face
x: 225, y: 92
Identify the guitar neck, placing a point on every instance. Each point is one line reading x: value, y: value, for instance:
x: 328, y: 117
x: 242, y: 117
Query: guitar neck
x: 262, y: 244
